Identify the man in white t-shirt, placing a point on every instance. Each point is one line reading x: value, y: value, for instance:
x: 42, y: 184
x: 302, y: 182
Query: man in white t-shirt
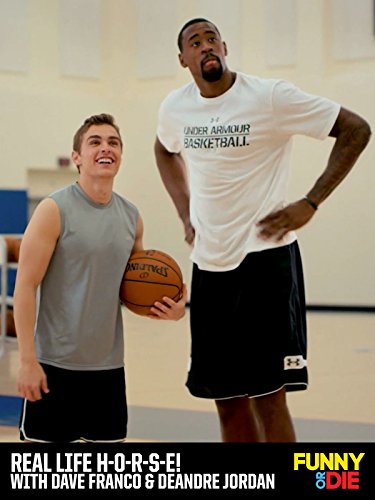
x: 223, y: 151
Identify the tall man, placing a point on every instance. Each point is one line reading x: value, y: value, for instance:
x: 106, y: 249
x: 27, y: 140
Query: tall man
x: 248, y: 318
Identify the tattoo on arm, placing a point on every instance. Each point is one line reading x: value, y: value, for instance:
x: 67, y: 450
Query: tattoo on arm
x: 352, y: 135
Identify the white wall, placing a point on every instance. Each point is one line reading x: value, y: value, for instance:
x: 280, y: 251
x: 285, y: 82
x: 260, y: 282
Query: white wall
x: 131, y: 63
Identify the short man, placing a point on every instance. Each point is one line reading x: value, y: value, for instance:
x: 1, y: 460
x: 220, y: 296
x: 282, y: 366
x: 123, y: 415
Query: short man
x: 75, y: 251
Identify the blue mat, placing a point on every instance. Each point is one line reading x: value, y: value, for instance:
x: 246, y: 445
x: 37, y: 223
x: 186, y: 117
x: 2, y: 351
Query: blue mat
x: 10, y: 410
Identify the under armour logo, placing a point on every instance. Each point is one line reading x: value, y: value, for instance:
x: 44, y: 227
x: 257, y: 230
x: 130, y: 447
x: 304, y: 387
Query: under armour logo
x: 290, y: 362
x: 294, y: 362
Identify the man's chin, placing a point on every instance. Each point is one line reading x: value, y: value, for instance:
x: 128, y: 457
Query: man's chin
x: 212, y: 76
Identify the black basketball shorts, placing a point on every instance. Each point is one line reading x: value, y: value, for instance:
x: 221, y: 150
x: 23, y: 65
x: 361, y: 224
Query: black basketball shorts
x: 248, y: 327
x: 80, y: 405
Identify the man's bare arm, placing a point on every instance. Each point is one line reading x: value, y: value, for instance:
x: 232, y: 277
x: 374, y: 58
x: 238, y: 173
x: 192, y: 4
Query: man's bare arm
x: 173, y: 173
x: 352, y: 135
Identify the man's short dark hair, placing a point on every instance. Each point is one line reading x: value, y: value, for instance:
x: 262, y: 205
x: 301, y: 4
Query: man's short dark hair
x: 102, y: 119
x: 189, y: 23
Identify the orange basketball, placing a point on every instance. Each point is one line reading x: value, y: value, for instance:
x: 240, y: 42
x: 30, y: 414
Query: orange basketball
x: 16, y: 249
x: 149, y: 276
x: 13, y: 248
x: 10, y: 243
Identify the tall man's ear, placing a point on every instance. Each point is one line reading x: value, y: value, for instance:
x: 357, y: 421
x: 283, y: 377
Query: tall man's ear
x: 225, y: 49
x: 181, y: 59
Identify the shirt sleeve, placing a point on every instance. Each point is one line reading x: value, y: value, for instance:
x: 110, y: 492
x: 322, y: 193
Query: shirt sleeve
x: 298, y: 112
x: 167, y: 128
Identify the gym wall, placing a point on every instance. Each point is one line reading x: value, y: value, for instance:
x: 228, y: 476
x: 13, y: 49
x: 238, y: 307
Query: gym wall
x: 63, y: 60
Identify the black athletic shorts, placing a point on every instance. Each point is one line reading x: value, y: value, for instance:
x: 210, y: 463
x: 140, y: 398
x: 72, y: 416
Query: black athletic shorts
x: 248, y: 327
x: 80, y: 405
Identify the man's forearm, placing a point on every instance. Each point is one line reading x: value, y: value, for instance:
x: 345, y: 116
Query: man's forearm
x: 173, y: 173
x: 352, y: 135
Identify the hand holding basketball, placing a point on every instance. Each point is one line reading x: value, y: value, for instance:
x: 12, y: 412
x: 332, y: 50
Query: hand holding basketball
x: 170, y: 309
x: 151, y: 275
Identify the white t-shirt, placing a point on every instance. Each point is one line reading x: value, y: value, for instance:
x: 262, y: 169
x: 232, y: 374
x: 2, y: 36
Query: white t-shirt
x: 237, y: 147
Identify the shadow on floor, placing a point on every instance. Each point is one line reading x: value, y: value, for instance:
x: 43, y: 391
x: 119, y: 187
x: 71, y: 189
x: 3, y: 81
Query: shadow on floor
x: 161, y: 424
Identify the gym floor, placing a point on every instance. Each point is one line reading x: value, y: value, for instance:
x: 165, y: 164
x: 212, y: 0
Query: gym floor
x: 339, y: 405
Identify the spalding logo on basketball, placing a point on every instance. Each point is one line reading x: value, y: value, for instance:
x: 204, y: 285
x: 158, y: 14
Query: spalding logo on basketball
x: 149, y: 276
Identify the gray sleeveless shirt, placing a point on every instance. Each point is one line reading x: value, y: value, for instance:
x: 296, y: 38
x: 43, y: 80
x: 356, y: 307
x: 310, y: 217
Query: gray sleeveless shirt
x: 79, y: 321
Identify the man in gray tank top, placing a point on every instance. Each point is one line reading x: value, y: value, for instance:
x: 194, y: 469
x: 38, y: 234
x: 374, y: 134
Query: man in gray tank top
x: 74, y: 252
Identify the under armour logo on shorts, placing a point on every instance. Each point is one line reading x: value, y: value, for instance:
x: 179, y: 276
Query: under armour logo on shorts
x: 294, y: 362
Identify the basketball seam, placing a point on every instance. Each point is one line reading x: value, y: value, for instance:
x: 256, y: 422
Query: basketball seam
x: 150, y: 282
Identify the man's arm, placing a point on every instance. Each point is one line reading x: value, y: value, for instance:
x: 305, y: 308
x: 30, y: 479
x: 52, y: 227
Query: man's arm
x: 169, y: 309
x: 352, y: 134
x: 173, y: 173
x: 38, y: 243
x: 138, y: 241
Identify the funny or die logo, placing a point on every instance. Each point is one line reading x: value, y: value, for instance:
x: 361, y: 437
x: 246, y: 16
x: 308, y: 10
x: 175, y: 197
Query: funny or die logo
x: 332, y: 471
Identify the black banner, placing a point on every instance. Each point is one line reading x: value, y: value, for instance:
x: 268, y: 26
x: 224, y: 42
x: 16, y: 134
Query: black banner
x: 172, y: 470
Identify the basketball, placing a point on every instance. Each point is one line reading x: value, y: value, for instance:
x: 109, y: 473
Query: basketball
x: 13, y: 248
x: 149, y: 276
x: 16, y: 249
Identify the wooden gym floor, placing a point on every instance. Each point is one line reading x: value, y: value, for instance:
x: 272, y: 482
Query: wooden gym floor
x: 339, y: 405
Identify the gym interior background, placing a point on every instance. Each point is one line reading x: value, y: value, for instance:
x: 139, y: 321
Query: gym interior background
x: 64, y: 60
